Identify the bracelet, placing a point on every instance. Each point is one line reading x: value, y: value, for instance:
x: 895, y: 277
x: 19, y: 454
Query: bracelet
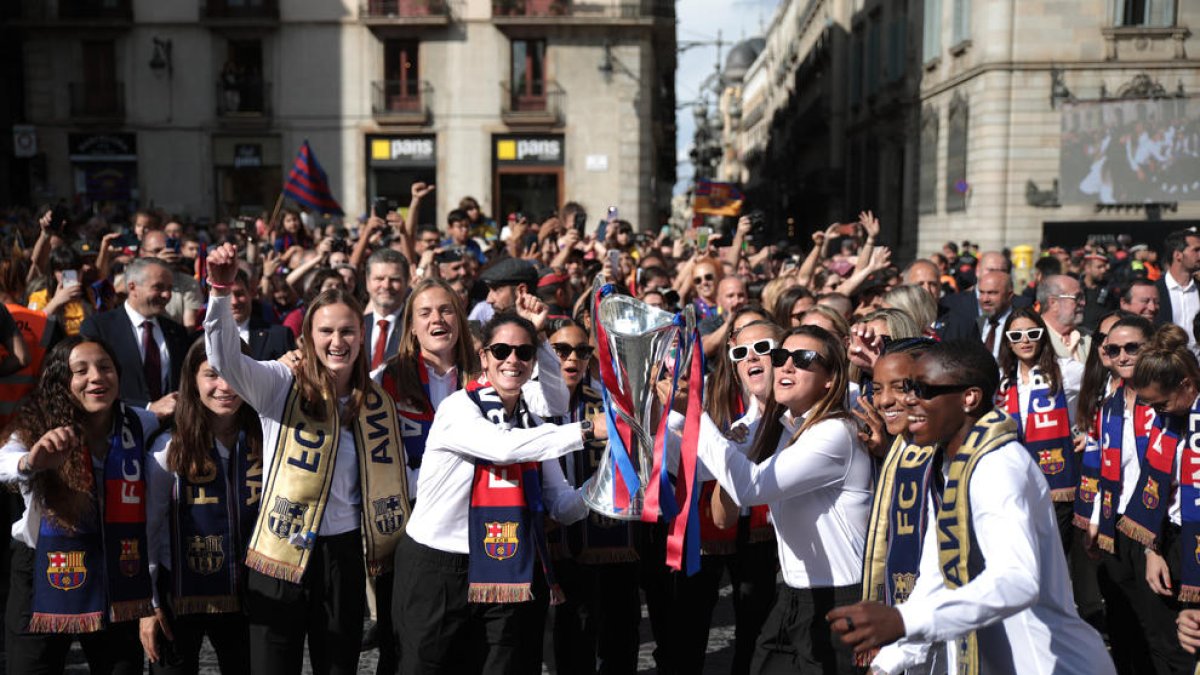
x: 219, y: 287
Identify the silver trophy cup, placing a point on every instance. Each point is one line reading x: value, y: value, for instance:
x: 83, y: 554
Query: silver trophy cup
x: 639, y: 337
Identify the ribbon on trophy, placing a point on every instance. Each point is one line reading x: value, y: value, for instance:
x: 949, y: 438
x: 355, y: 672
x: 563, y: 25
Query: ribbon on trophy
x: 620, y: 435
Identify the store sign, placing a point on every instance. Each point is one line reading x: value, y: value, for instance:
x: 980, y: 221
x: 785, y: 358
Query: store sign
x: 247, y: 155
x: 406, y: 149
x: 24, y: 141
x: 102, y: 147
x: 530, y: 150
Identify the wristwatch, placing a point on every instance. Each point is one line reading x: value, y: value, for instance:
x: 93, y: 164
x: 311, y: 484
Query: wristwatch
x: 420, y: 271
x: 585, y: 428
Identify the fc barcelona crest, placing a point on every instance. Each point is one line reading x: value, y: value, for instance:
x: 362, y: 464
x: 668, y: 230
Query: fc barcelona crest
x: 131, y: 558
x: 66, y: 570
x: 389, y: 514
x: 501, y: 540
x: 206, y: 555
x: 1150, y: 494
x: 1198, y: 548
x: 1051, y: 461
x: 902, y: 585
x: 286, y: 517
x: 1106, y: 505
x: 1087, y: 489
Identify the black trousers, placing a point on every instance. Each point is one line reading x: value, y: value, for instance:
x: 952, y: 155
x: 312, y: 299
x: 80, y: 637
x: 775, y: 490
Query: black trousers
x: 1124, y: 606
x: 438, y: 631
x: 116, y: 650
x: 1158, y: 613
x: 326, y: 607
x: 680, y: 607
x: 389, y: 653
x: 797, y: 639
x: 596, y: 629
x: 752, y: 571
x: 229, y: 634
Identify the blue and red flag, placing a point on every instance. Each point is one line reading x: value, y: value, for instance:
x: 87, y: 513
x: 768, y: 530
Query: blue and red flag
x: 308, y: 185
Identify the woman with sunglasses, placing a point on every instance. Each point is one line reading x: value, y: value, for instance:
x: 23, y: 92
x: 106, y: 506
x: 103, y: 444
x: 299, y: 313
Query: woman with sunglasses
x: 1040, y: 392
x: 1122, y: 430
x: 204, y: 485
x: 473, y: 558
x: 79, y: 566
x: 334, y: 492
x: 701, y: 274
x: 806, y: 462
x: 595, y: 559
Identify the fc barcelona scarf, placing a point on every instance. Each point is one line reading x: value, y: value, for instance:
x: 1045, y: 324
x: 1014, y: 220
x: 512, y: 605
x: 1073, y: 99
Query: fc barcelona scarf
x: 1147, y: 509
x: 210, y: 524
x: 301, y: 474
x: 1089, y: 475
x: 1189, y: 495
x: 958, y: 553
x: 98, y: 572
x: 415, y: 422
x: 1046, y: 433
x: 506, y: 511
x: 1112, y: 423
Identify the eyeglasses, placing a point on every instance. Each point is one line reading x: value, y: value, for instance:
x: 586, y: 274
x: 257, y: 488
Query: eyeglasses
x: 1077, y: 299
x: 704, y: 277
x: 1113, y: 350
x: 1030, y: 334
x: 801, y: 358
x: 564, y: 349
x: 928, y: 392
x: 500, y: 351
x: 742, y: 352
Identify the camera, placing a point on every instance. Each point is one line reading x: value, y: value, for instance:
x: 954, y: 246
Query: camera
x: 339, y: 245
x: 381, y: 206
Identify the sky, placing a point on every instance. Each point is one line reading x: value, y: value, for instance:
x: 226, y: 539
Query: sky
x: 699, y: 21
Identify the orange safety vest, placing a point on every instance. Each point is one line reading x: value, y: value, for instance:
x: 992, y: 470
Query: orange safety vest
x: 14, y: 387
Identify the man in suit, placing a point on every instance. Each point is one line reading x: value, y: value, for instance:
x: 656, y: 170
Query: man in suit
x: 996, y: 303
x: 1178, y: 297
x: 950, y: 325
x: 387, y: 284
x: 267, y: 341
x: 149, y: 346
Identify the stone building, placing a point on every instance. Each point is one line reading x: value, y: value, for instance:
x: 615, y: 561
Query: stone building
x: 199, y: 106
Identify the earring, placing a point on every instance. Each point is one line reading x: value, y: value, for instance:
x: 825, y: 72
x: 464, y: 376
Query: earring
x: 966, y: 409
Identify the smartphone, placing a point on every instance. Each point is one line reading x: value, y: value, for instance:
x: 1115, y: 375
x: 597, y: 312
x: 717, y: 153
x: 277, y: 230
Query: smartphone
x: 379, y: 208
x: 173, y: 244
x: 70, y: 278
x: 580, y: 222
x: 614, y: 263
x: 702, y: 235
x: 613, y: 214
x: 847, y: 229
x: 58, y: 218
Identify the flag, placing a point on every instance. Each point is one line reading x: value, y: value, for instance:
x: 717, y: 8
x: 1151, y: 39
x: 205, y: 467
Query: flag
x: 308, y: 185
x: 717, y: 199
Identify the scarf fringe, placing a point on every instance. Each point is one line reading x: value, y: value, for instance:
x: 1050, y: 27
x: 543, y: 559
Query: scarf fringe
x: 130, y: 610
x: 761, y: 534
x: 380, y: 566
x: 1063, y: 495
x: 275, y: 569
x: 1136, y: 532
x: 1106, y: 544
x: 1081, y: 522
x: 207, y: 604
x: 1189, y: 593
x: 864, y: 659
x: 718, y: 547
x: 499, y: 593
x: 66, y: 623
x: 607, y: 556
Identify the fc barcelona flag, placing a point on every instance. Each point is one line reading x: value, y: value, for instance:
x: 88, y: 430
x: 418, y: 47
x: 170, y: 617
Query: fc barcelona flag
x: 308, y: 185
x: 717, y: 199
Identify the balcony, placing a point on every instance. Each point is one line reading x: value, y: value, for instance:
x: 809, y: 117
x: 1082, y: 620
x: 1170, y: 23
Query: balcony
x: 97, y: 102
x: 74, y: 14
x: 517, y: 13
x: 240, y: 12
x: 405, y: 13
x: 405, y: 102
x: 244, y: 102
x: 535, y: 105
x: 121, y: 10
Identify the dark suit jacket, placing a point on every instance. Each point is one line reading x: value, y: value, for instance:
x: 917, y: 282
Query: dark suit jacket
x: 116, y: 330
x: 393, y: 344
x: 964, y: 306
x: 1165, y: 313
x: 268, y: 341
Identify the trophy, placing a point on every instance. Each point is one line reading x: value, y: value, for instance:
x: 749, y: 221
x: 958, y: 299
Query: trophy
x: 639, y: 340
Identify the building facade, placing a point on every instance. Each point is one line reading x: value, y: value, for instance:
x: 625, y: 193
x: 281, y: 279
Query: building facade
x: 998, y: 121
x: 199, y: 106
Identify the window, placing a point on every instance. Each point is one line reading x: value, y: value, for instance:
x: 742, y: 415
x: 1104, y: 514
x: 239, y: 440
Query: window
x: 100, y: 93
x: 896, y: 49
x: 1155, y: 13
x: 241, y: 82
x: 927, y: 194
x: 956, y: 155
x: 529, y: 74
x: 856, y: 67
x: 962, y: 21
x: 402, y: 76
x: 873, y: 56
x: 932, y: 36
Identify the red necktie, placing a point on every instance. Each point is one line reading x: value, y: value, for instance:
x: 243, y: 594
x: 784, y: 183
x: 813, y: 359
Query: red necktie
x: 380, y: 343
x: 152, y: 361
x: 993, y: 323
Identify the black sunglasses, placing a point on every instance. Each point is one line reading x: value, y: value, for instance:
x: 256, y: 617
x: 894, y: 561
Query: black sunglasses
x: 801, y: 358
x: 742, y: 352
x: 1112, y: 351
x: 564, y: 349
x: 500, y: 351
x: 704, y: 277
x: 928, y: 392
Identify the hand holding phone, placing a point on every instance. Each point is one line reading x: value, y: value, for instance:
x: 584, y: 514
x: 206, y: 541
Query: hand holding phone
x: 70, y: 278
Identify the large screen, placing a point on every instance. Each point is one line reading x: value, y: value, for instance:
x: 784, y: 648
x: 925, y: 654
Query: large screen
x: 1130, y: 151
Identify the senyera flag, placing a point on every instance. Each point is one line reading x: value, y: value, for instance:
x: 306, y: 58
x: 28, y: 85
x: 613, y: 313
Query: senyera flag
x: 308, y: 185
x: 717, y: 199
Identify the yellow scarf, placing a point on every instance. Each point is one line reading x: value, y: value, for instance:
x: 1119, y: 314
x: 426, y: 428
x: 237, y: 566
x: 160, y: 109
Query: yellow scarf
x: 954, y: 532
x: 301, y: 473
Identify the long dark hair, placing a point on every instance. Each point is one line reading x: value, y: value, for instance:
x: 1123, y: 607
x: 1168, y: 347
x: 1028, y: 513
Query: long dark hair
x: 189, y: 454
x: 721, y: 386
x: 67, y: 493
x: 831, y: 406
x: 403, y: 366
x: 1047, y: 359
x: 1093, y: 387
x: 317, y: 388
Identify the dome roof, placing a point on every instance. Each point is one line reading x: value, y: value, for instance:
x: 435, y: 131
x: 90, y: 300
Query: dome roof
x: 741, y: 56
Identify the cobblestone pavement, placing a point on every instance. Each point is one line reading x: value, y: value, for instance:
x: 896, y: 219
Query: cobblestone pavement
x: 720, y: 647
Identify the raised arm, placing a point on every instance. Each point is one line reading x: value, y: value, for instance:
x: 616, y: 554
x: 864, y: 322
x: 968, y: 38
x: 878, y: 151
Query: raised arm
x: 460, y: 427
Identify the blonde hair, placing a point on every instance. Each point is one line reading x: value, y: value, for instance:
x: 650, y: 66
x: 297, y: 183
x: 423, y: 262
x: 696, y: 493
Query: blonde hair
x: 916, y: 302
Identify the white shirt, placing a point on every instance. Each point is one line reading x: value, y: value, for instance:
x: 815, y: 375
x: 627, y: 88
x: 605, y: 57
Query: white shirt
x: 25, y: 530
x: 461, y: 434
x: 819, y: 491
x: 987, y: 329
x: 265, y: 386
x: 1185, y: 302
x: 1072, y: 376
x: 440, y: 386
x: 481, y: 312
x: 1021, y: 605
x: 244, y: 331
x: 136, y: 318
